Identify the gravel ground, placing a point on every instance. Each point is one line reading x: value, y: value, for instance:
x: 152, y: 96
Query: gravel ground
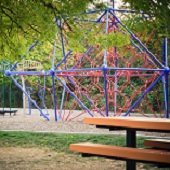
x: 37, y: 123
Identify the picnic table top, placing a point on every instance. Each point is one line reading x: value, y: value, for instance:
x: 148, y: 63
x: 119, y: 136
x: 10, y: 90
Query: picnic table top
x: 139, y: 123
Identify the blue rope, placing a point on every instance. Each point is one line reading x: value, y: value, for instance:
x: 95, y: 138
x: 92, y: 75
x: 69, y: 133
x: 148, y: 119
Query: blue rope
x: 167, y: 95
x: 29, y: 49
x: 147, y: 51
x: 133, y: 43
x: 41, y: 95
x: 89, y: 49
x: 143, y: 95
x: 136, y: 46
x: 54, y: 94
x: 73, y: 82
x: 65, y: 57
x: 28, y: 90
x: 76, y: 98
x: 167, y: 71
x: 98, y: 20
x: 104, y: 69
x: 32, y: 46
x: 33, y: 101
x: 62, y: 102
x: 125, y: 10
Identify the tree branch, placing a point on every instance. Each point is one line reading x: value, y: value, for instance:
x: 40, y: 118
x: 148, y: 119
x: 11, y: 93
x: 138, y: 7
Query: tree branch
x: 8, y: 9
x: 19, y: 26
x: 34, y: 28
x: 49, y: 5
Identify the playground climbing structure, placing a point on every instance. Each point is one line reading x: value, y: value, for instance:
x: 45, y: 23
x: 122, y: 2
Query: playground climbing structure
x: 121, y: 80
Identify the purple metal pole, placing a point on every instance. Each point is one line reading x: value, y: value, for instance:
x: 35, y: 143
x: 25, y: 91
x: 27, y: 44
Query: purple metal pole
x: 76, y: 98
x: 113, y: 4
x: 47, y: 73
x: 65, y: 57
x: 167, y: 91
x: 163, y: 79
x: 125, y: 10
x: 115, y: 84
x: 104, y: 68
x: 143, y: 95
x: 54, y: 94
x: 7, y: 73
x: 167, y: 70
x: 86, y: 96
x: 137, y: 39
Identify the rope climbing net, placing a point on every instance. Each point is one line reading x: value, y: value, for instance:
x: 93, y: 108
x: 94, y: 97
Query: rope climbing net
x: 123, y: 79
x: 118, y: 81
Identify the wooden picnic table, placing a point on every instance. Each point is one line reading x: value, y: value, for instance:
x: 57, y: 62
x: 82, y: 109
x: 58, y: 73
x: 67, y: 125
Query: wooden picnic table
x: 130, y: 153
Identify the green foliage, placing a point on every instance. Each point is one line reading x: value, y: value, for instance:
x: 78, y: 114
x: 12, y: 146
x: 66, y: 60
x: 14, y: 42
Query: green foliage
x: 106, y: 41
x: 158, y: 12
x: 21, y: 26
x: 23, y: 22
x: 95, y: 36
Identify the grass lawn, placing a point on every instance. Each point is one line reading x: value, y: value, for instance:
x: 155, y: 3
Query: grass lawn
x: 58, y: 142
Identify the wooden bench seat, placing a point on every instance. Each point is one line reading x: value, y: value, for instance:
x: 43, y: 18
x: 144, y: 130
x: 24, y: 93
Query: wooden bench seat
x: 157, y: 143
x: 126, y: 153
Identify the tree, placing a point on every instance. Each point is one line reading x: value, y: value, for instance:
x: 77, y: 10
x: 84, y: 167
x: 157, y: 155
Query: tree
x: 23, y: 22
x: 158, y: 12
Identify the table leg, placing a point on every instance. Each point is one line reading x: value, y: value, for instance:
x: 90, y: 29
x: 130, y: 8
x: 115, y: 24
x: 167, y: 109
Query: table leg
x: 131, y: 142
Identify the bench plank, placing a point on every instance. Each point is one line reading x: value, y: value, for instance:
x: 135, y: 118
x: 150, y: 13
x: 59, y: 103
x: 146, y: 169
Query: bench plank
x: 157, y: 143
x: 138, y: 123
x: 137, y: 154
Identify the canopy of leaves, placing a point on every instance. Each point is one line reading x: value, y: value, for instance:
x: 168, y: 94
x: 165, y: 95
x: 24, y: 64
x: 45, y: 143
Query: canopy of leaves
x: 158, y: 12
x: 24, y: 21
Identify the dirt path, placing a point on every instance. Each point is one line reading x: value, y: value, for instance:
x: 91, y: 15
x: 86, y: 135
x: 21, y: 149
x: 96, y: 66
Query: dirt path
x: 42, y: 159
